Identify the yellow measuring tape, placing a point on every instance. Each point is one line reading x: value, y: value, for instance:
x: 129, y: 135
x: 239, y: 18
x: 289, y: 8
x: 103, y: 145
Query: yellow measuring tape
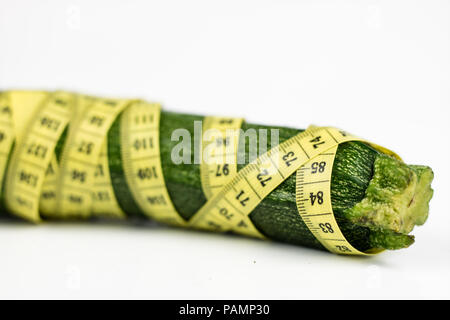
x: 33, y: 153
x: 236, y: 200
x: 81, y: 155
x: 311, y: 154
x: 142, y: 162
x: 6, y: 134
x: 219, y: 153
x: 78, y: 185
x: 104, y: 200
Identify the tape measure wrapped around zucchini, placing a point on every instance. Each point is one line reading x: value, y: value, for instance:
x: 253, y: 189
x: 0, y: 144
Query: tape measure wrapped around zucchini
x: 69, y: 156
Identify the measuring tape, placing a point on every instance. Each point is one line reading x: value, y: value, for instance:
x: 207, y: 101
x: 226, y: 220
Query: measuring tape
x: 6, y: 135
x: 142, y: 162
x: 82, y: 153
x: 31, y: 157
x: 104, y: 200
x: 310, y: 154
x: 47, y: 202
x: 313, y: 197
x: 219, y: 153
x: 220, y: 142
x: 78, y: 185
x: 236, y: 200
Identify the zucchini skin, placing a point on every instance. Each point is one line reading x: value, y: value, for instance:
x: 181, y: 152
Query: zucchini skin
x: 277, y: 215
x: 377, y: 199
x: 121, y: 191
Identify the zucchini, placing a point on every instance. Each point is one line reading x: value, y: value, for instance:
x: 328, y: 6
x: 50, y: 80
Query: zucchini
x: 377, y: 200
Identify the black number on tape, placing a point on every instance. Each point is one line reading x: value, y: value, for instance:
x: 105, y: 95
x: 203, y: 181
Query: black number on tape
x: 157, y: 200
x: 6, y: 110
x: 48, y: 195
x: 326, y: 227
x: 97, y: 120
x: 242, y: 198
x: 143, y: 143
x: 110, y: 103
x: 262, y: 177
x: 86, y: 147
x: 102, y: 196
x: 99, y: 171
x: 316, y: 198
x: 316, y: 142
x: 79, y: 175
x: 289, y: 158
x: 24, y: 202
x: 144, y: 119
x: 50, y: 170
x: 226, y: 121
x: 318, y: 167
x: 343, y: 249
x: 222, y: 170
x: 242, y: 224
x: 147, y: 173
x: 224, y: 212
x: 51, y: 124
x: 37, y: 150
x: 214, y: 226
x: 28, y: 178
x: 60, y: 102
x: 222, y: 141
x: 75, y: 199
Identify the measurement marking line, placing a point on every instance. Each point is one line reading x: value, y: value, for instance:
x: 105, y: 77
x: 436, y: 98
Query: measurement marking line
x: 26, y: 191
x: 226, y: 154
x: 331, y: 136
x: 315, y: 182
x: 79, y: 189
x: 49, y: 182
x: 145, y: 158
x: 62, y: 113
x: 140, y: 130
x: 43, y: 136
x: 278, y: 169
x: 239, y: 211
x: 307, y: 155
x: 102, y: 184
x: 252, y: 188
x: 151, y: 187
x: 92, y: 133
x: 317, y: 214
x: 31, y: 163
x: 86, y: 163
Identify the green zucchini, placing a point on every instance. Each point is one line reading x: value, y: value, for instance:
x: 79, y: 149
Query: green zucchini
x: 377, y: 200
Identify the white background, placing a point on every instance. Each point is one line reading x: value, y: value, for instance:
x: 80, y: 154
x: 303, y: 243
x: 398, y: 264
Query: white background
x: 380, y: 69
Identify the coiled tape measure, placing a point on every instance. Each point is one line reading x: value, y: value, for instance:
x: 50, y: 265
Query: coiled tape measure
x: 78, y: 184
